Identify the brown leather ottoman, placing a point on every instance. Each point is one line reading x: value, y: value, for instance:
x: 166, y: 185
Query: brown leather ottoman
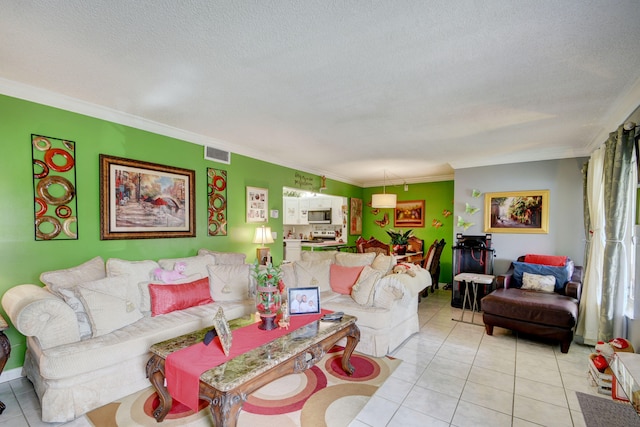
x: 546, y: 315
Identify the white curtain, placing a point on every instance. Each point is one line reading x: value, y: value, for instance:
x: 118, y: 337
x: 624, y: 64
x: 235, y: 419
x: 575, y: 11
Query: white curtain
x: 590, y: 302
x: 607, y: 296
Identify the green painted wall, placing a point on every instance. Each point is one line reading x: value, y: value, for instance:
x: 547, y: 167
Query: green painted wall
x: 438, y: 196
x: 22, y: 259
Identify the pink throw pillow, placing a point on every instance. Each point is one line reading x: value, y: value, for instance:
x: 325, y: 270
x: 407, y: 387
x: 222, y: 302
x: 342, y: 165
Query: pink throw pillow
x: 168, y: 298
x: 343, y: 278
x: 550, y: 260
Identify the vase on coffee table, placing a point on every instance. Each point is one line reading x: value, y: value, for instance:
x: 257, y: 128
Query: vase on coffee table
x: 268, y: 300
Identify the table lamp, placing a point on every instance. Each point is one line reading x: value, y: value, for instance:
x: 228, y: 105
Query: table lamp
x: 262, y: 237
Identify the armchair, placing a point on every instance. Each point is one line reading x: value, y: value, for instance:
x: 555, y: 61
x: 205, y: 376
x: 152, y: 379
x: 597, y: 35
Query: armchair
x: 551, y: 314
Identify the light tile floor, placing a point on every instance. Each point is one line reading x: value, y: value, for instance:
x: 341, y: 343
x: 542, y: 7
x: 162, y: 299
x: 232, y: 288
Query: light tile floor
x: 453, y: 375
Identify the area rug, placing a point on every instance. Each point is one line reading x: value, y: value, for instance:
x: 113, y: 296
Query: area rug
x: 321, y: 396
x: 605, y: 412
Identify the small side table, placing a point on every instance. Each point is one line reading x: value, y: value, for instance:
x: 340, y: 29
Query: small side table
x: 5, y: 350
x: 472, y: 280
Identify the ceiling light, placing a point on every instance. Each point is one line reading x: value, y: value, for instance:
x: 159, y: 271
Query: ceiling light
x: 383, y: 200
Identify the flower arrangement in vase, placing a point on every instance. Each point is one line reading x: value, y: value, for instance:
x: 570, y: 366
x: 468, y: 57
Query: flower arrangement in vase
x: 269, y: 291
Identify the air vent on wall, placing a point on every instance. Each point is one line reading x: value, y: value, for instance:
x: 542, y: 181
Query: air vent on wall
x: 217, y: 155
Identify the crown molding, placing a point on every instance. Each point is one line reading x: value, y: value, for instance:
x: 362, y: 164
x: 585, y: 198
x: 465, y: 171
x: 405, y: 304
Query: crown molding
x: 53, y: 99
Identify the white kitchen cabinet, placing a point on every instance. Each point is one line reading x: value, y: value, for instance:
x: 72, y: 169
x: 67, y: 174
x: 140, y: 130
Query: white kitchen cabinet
x: 292, y: 250
x: 319, y: 203
x: 336, y: 210
x: 296, y: 211
x: 291, y: 211
x: 303, y: 211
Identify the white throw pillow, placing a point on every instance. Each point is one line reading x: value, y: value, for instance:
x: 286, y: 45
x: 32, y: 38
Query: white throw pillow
x: 72, y: 300
x: 384, y: 263
x: 195, y: 264
x: 138, y: 271
x: 91, y: 270
x: 109, y: 303
x: 313, y: 273
x: 288, y: 275
x: 229, y: 282
x: 347, y: 259
x: 318, y: 255
x: 363, y: 291
x: 537, y: 282
x: 224, y: 257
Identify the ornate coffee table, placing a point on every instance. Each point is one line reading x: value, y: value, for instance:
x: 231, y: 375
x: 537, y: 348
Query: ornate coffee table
x: 227, y: 386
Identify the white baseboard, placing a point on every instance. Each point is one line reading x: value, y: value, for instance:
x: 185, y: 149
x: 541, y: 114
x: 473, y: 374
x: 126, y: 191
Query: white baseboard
x: 11, y: 374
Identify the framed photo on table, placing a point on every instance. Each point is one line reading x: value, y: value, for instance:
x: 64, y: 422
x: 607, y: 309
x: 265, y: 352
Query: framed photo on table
x: 141, y: 200
x: 517, y: 212
x: 223, y: 331
x: 257, y: 204
x: 304, y: 301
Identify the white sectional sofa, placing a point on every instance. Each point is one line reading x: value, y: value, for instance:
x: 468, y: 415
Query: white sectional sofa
x: 89, y: 329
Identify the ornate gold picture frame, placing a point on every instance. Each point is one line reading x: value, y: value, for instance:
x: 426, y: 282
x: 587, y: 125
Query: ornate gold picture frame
x: 141, y: 200
x: 409, y: 213
x: 517, y: 212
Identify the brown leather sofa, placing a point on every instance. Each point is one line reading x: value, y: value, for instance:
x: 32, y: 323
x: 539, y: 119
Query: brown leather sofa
x: 550, y: 316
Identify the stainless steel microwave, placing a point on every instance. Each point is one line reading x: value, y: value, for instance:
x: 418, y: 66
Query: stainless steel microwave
x: 319, y: 216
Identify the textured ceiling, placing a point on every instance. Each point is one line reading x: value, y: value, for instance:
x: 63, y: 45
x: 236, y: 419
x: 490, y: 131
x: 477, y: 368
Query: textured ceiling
x: 349, y: 89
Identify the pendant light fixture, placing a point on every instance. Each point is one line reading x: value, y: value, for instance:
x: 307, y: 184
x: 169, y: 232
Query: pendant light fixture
x: 383, y: 200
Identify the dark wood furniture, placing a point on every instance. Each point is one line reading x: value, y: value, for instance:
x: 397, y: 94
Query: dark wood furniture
x: 431, y: 262
x: 5, y: 351
x: 227, y: 386
x: 417, y: 259
x: 372, y: 245
x: 415, y: 245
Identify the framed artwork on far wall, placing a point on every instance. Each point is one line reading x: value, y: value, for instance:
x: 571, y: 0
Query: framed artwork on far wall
x: 517, y: 212
x: 355, y: 219
x: 141, y: 200
x: 257, y: 204
x: 409, y: 213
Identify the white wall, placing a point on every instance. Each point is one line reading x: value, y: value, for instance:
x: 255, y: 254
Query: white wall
x: 563, y: 179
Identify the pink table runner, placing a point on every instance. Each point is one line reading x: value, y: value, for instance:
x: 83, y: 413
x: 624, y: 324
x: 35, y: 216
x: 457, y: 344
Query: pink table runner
x: 184, y: 367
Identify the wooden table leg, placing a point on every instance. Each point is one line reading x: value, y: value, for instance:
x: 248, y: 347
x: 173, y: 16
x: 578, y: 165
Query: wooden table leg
x: 155, y: 373
x: 353, y: 338
x: 225, y: 407
x: 5, y: 352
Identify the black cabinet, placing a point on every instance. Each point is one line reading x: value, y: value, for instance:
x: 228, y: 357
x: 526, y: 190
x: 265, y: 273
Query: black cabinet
x: 471, y: 254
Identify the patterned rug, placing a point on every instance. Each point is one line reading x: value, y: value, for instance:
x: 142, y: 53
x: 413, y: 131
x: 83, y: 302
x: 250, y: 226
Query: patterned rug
x: 321, y: 396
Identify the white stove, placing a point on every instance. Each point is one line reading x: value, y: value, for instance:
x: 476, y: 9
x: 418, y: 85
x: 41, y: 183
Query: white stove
x: 322, y: 235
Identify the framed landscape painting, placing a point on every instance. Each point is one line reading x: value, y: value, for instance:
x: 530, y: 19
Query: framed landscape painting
x: 141, y: 200
x: 517, y: 212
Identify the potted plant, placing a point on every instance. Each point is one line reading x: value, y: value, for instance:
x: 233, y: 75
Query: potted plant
x: 399, y: 241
